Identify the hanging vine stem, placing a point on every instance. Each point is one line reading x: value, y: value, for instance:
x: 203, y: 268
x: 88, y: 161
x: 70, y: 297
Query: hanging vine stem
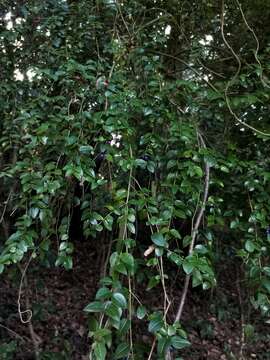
x: 15, y: 334
x: 36, y: 340
x: 194, y: 231
x: 129, y: 278
x: 190, y: 67
x: 257, y: 43
x: 232, y: 81
x: 27, y: 311
x: 167, y: 302
x: 196, y: 222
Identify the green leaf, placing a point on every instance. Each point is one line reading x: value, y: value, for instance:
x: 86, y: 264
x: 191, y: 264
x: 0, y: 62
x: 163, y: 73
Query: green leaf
x: 124, y: 327
x: 106, y: 281
x: 158, y: 239
x: 249, y: 246
x: 201, y: 249
x: 234, y: 224
x: 86, y: 149
x: 128, y: 260
x: 95, y: 306
x: 266, y: 270
x: 179, y: 343
x: 187, y: 240
x: 121, y: 194
x: 154, y: 281
x: 131, y: 227
x: 63, y: 246
x: 159, y: 251
x: 113, y: 311
x: 197, y: 278
x: 141, y: 163
x: 108, y: 222
x: 249, y: 331
x: 151, y: 166
x: 198, y: 171
x: 171, y: 330
x: 175, y: 234
x: 120, y: 300
x: 156, y: 323
x: 122, y: 350
x: 266, y: 284
x: 68, y: 262
x: 113, y: 259
x: 102, y: 333
x: 93, y: 324
x: 141, y: 312
x: 100, y: 350
x: 163, y: 345
x: 174, y: 257
x: 180, y: 214
x: 103, y: 293
x: 188, y: 266
x: 131, y: 217
x: 33, y: 212
x: 121, y: 268
x: 224, y: 169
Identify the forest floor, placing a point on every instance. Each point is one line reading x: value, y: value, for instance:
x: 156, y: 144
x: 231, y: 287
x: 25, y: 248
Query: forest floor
x: 59, y: 325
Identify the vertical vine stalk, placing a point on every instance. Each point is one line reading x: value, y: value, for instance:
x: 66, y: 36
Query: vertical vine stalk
x: 235, y: 76
x: 129, y: 278
x: 194, y: 231
x: 122, y: 237
x: 36, y: 340
x: 241, y: 307
x: 198, y: 215
x: 257, y: 44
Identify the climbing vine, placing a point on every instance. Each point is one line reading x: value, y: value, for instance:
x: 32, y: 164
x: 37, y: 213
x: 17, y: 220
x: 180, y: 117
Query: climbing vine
x: 143, y: 128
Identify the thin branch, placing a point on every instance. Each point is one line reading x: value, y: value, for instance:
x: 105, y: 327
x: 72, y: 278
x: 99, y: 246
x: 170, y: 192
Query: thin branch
x: 123, y: 19
x: 242, y: 341
x: 5, y: 207
x: 189, y: 67
x: 210, y: 70
x: 152, y: 349
x: 14, y: 333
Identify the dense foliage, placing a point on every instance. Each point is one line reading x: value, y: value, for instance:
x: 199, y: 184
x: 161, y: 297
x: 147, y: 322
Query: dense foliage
x: 142, y: 126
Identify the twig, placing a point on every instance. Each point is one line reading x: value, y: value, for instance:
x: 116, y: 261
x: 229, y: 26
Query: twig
x: 210, y: 70
x: 152, y: 349
x: 107, y: 258
x: 14, y: 333
x: 6, y: 224
x: 123, y: 19
x: 5, y: 207
x: 109, y: 78
x: 189, y: 67
x: 167, y: 301
x: 242, y: 343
